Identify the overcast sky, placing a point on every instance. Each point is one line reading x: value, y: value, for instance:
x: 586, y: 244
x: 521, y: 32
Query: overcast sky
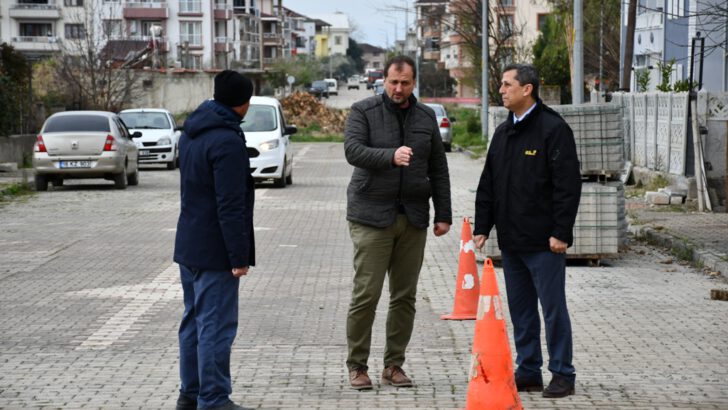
x: 374, y: 22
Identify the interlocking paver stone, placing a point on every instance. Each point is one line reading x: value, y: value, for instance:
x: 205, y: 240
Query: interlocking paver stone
x: 91, y: 303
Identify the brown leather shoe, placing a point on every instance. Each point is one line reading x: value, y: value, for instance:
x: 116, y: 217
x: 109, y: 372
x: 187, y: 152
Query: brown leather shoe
x: 359, y: 379
x: 395, y: 376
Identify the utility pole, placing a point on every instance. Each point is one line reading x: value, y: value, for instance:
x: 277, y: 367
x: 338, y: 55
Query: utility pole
x: 624, y: 82
x: 484, y: 74
x: 601, y: 50
x: 577, y: 78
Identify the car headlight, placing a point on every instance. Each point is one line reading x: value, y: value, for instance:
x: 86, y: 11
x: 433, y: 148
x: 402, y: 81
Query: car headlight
x: 268, y: 145
x: 164, y: 141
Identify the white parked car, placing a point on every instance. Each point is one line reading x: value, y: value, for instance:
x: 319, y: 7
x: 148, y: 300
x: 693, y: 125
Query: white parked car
x: 85, y: 144
x: 333, y: 86
x: 268, y: 141
x: 160, y: 135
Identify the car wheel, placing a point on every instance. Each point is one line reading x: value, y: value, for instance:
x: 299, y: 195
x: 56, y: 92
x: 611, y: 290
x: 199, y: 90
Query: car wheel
x: 281, y: 182
x: 57, y: 181
x: 289, y: 178
x: 120, y: 180
x: 170, y: 166
x: 133, y: 179
x: 41, y: 183
x: 448, y: 147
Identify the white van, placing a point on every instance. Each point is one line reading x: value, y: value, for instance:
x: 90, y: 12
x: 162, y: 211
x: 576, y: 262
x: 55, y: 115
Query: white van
x: 333, y: 86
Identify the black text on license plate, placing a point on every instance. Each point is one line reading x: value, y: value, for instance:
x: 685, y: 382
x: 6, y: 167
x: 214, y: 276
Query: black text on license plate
x: 75, y: 164
x: 144, y: 152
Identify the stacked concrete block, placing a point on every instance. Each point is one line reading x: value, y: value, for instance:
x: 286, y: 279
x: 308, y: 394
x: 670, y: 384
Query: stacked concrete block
x: 598, y: 133
x: 598, y: 231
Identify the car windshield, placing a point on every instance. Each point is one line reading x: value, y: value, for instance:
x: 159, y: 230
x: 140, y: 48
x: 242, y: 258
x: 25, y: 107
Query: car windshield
x: 319, y: 84
x: 439, y: 110
x: 259, y: 118
x: 77, y: 123
x: 145, y: 120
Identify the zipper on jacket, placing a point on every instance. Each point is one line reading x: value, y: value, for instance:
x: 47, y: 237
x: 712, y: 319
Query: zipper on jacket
x: 402, y: 140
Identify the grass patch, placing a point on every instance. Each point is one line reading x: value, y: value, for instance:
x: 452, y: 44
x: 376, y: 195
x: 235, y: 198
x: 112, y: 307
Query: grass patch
x: 316, y: 138
x: 14, y: 191
x: 466, y: 130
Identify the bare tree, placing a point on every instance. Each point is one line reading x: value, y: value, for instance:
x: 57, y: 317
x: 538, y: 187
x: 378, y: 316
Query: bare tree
x: 90, y: 75
x: 466, y: 23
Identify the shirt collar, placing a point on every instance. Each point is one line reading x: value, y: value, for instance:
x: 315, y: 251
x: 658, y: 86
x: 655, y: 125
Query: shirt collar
x: 516, y: 120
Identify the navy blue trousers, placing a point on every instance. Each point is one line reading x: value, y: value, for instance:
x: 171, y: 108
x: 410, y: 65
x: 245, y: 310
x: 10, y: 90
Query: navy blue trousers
x: 206, y: 335
x: 530, y: 278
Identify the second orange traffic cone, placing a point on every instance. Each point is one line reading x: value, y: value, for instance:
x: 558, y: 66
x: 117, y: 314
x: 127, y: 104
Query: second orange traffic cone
x: 491, y: 381
x: 466, y: 289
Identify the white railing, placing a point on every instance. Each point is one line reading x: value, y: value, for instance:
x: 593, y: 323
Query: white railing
x: 35, y: 39
x: 221, y: 39
x: 146, y: 5
x: 51, y: 5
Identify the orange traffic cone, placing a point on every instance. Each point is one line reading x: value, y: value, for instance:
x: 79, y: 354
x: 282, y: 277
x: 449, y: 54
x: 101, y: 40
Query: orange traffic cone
x: 491, y: 381
x: 466, y: 289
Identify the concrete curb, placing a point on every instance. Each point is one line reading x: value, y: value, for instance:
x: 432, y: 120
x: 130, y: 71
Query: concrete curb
x: 699, y: 257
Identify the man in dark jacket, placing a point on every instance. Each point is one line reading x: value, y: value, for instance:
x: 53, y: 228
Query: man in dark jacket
x: 214, y: 245
x: 399, y: 161
x: 530, y: 190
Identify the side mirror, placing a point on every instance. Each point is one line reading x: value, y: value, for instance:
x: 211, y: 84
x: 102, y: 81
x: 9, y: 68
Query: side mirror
x: 290, y: 130
x: 136, y: 134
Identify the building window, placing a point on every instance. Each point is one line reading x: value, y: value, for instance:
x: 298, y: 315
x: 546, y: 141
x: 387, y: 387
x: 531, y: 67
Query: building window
x: 375, y: 64
x: 337, y: 40
x: 505, y: 56
x: 35, y: 29
x: 190, y: 32
x: 72, y: 3
x: 505, y: 25
x: 191, y: 61
x: 74, y: 31
x: 432, y: 44
x: 541, y: 21
x: 505, y: 3
x: 190, y: 6
x: 112, y: 28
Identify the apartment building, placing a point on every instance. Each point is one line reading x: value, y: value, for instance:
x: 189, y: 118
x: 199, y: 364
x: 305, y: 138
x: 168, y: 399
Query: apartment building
x: 664, y: 31
x: 333, y: 39
x: 248, y: 45
x: 440, y: 42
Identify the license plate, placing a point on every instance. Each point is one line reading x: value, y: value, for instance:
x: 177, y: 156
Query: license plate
x: 144, y: 152
x: 75, y: 164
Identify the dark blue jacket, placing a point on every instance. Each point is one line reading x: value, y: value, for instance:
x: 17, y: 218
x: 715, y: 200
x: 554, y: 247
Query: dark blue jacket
x: 215, y: 227
x: 531, y: 184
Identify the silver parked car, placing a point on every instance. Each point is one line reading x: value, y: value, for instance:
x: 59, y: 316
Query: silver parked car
x: 85, y: 144
x: 445, y: 123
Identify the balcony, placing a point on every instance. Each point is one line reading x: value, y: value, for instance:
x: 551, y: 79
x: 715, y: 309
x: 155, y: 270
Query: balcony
x: 271, y: 38
x: 162, y: 42
x: 223, y: 45
x: 146, y: 10
x: 27, y: 43
x: 223, y: 12
x: 35, y: 11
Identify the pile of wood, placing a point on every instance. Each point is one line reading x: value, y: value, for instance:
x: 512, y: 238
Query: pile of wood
x: 305, y: 111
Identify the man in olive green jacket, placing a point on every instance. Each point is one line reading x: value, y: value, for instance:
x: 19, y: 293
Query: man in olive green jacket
x: 399, y: 162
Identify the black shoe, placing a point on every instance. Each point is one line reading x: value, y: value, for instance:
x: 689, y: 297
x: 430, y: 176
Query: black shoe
x: 529, y: 384
x: 559, y: 387
x: 186, y: 403
x: 230, y: 406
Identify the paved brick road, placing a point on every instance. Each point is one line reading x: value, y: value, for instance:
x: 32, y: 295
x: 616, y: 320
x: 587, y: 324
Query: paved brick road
x: 90, y: 304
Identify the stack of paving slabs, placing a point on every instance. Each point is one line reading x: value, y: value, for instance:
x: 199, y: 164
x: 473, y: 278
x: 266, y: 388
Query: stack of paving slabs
x: 597, y: 131
x: 599, y: 137
x: 597, y: 232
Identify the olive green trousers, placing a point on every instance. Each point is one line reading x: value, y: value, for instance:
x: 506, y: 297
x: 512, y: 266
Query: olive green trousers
x: 397, y: 250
